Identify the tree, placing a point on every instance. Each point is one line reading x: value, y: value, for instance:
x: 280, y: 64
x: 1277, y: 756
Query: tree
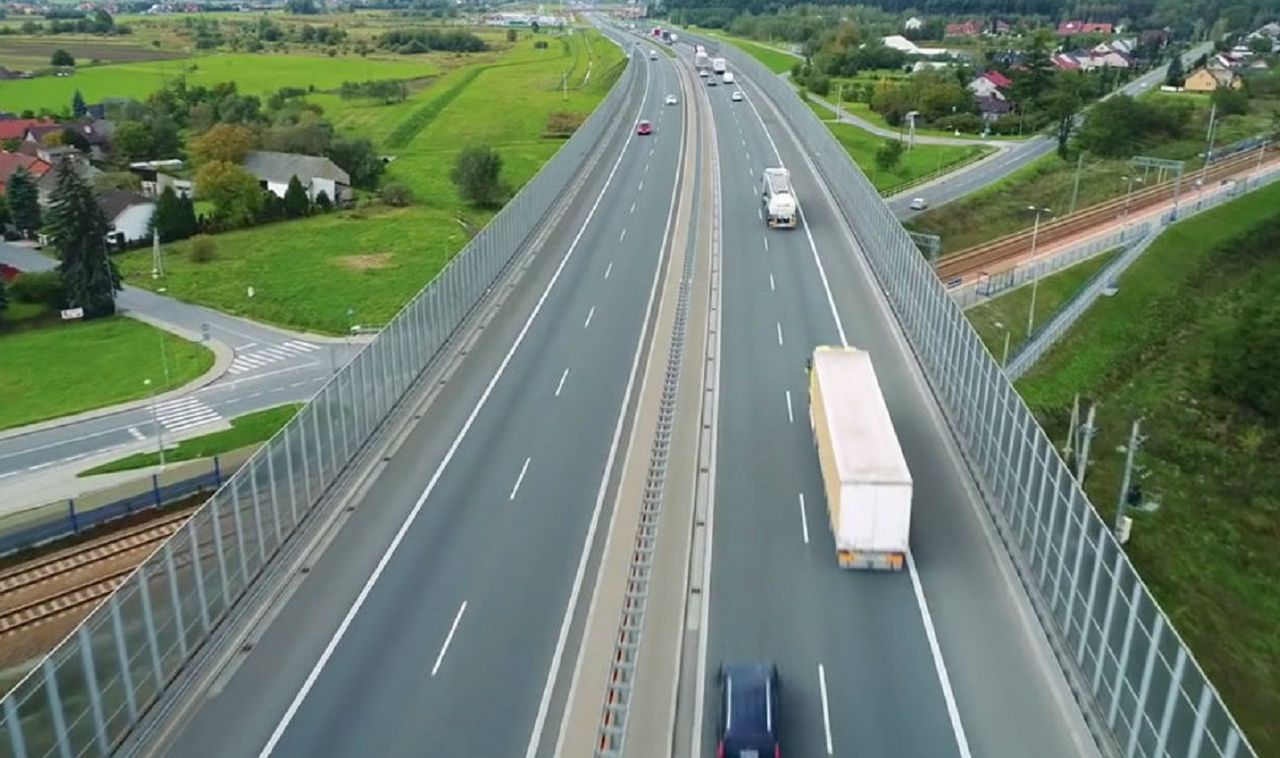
x: 1063, y: 104
x: 132, y: 140
x: 1176, y: 74
x: 234, y: 192
x: 323, y: 203
x: 24, y: 202
x: 511, y: 35
x: 358, y: 158
x: 77, y: 229
x: 174, y: 217
x: 225, y: 143
x: 478, y: 176
x: 4, y: 295
x: 78, y: 107
x: 74, y: 138
x: 888, y: 154
x: 1261, y: 45
x: 296, y: 202
x: 1230, y: 102
x: 301, y: 7
x: 61, y: 57
x: 397, y: 194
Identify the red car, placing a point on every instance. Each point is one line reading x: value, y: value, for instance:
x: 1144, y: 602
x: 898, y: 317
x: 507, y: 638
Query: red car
x: 644, y: 128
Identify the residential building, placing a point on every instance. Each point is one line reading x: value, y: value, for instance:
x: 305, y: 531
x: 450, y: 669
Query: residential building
x: 158, y: 175
x: 128, y: 216
x: 1072, y: 28
x: 913, y: 24
x: 1212, y: 79
x: 74, y: 161
x: 11, y: 162
x: 38, y: 132
x: 16, y: 128
x: 1002, y: 28
x: 899, y: 42
x: 964, y: 29
x: 989, y: 84
x: 993, y: 107
x: 1065, y: 62
x: 274, y: 170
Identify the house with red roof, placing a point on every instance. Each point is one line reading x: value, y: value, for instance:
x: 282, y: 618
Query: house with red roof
x: 989, y: 84
x: 964, y: 29
x: 16, y: 128
x: 11, y: 162
x: 1071, y: 28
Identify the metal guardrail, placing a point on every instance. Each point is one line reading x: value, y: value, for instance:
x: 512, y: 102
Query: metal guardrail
x: 1141, y: 689
x: 94, y: 687
x: 1062, y: 319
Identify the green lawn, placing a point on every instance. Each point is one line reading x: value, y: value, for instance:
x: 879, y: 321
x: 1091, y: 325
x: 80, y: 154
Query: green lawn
x: 1008, y: 313
x: 256, y: 73
x: 1209, y: 553
x: 920, y: 161
x: 56, y: 368
x: 248, y: 429
x: 776, y: 60
x: 307, y: 273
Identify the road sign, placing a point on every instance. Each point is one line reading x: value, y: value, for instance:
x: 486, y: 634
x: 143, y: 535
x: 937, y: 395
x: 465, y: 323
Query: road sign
x: 71, y: 314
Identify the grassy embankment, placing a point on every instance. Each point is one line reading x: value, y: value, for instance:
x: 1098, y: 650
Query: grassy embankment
x: 53, y: 368
x: 248, y: 429
x: 1209, y: 553
x: 307, y: 273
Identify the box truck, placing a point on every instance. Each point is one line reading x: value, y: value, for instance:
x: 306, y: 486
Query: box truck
x: 778, y: 198
x: 718, y: 65
x: 864, y: 474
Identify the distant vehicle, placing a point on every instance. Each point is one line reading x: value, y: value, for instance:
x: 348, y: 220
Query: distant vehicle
x: 748, y: 720
x: 864, y: 473
x: 711, y: 81
x: 671, y: 100
x: 700, y: 58
x: 919, y: 203
x: 779, y: 201
x: 644, y: 127
x: 653, y: 55
x: 737, y: 96
x: 703, y: 73
x: 718, y: 65
x: 728, y: 77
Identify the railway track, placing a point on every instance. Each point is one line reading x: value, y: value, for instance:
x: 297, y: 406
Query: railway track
x: 23, y: 604
x: 1002, y: 252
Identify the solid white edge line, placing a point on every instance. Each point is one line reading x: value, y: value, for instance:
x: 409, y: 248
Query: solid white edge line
x: 449, y: 638
x: 953, y: 711
x: 523, y: 470
x: 791, y: 418
x: 931, y: 635
x: 590, y: 315
x: 544, y: 705
x: 359, y: 602
x: 826, y: 709
x: 804, y: 520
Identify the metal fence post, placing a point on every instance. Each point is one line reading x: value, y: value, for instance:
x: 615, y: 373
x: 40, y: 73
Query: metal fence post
x: 1125, y: 648
x: 193, y: 539
x: 1144, y: 689
x: 218, y: 551
x: 175, y: 597
x: 122, y: 655
x: 14, y: 723
x: 55, y: 708
x: 1171, y: 701
x: 149, y: 625
x: 85, y: 643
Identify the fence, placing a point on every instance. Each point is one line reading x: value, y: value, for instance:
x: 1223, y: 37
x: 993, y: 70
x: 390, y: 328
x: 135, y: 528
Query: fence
x: 1057, y: 325
x: 1142, y: 689
x: 85, y: 696
x: 62, y: 518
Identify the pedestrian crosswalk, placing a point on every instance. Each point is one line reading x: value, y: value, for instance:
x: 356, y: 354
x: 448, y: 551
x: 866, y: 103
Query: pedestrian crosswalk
x: 248, y: 361
x: 185, y: 413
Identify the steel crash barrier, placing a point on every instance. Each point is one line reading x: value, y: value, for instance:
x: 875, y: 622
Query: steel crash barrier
x: 85, y: 696
x: 1139, y: 685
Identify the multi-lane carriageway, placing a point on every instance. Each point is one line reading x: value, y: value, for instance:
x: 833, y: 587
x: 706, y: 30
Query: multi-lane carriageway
x: 444, y: 616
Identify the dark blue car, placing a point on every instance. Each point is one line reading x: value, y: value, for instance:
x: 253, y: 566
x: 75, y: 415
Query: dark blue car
x: 748, y: 711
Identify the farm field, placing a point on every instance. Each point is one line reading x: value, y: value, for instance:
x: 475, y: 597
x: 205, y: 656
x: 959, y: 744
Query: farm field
x: 26, y: 53
x: 1155, y: 350
x: 60, y: 368
x: 254, y: 73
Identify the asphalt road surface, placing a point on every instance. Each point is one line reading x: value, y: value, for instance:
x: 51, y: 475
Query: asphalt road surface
x: 943, y: 659
x: 487, y: 505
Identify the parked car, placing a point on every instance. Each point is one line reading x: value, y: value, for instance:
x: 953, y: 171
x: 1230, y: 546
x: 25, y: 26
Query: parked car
x: 644, y: 127
x: 748, y: 726
x: 919, y: 203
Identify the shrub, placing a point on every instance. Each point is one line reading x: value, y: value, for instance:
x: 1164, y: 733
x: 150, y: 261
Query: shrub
x: 38, y: 288
x: 203, y: 249
x: 563, y: 124
x: 397, y: 194
x: 965, y: 122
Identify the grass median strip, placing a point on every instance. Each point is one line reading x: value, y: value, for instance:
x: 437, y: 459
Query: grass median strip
x: 62, y: 368
x: 248, y: 429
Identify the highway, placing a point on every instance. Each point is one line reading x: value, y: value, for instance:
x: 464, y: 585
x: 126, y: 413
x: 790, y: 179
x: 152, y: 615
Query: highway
x: 943, y: 659
x: 431, y: 623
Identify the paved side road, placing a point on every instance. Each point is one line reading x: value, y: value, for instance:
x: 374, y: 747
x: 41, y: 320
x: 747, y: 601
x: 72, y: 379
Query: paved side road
x: 271, y: 366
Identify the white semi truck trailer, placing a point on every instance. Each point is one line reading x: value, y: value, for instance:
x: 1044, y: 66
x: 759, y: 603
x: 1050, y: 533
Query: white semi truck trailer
x: 780, y: 209
x: 864, y: 473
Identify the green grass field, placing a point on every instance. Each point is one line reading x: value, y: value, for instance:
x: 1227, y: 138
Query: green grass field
x: 1209, y: 553
x: 58, y: 369
x: 307, y: 273
x: 1007, y: 314
x: 255, y: 73
x: 248, y: 429
x: 920, y: 161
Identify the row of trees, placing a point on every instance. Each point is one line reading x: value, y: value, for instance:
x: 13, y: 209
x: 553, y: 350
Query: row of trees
x: 386, y: 90
x: 413, y: 41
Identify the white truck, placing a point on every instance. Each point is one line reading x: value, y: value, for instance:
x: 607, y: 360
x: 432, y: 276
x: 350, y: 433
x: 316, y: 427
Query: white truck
x: 778, y: 198
x: 718, y: 65
x: 700, y: 58
x: 868, y: 486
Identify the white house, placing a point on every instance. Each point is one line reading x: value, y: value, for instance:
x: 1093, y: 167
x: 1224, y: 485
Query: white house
x: 274, y: 170
x: 913, y: 24
x: 899, y: 42
x: 128, y: 215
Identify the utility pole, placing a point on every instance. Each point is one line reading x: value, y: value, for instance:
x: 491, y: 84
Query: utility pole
x: 1122, y: 521
x: 1035, y: 271
x: 1072, y: 425
x: 155, y: 419
x: 1004, y: 358
x: 1086, y: 432
x: 157, y: 260
x: 1075, y: 190
x: 1208, y: 154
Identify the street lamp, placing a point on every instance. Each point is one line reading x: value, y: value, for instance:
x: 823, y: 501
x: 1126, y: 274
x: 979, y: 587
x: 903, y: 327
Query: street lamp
x: 1035, y: 270
x: 155, y: 419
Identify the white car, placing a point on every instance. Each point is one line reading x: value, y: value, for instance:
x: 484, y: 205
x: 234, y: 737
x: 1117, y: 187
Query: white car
x: 728, y: 77
x: 671, y: 100
x: 702, y: 72
x: 919, y: 203
x: 653, y: 55
x: 737, y: 96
